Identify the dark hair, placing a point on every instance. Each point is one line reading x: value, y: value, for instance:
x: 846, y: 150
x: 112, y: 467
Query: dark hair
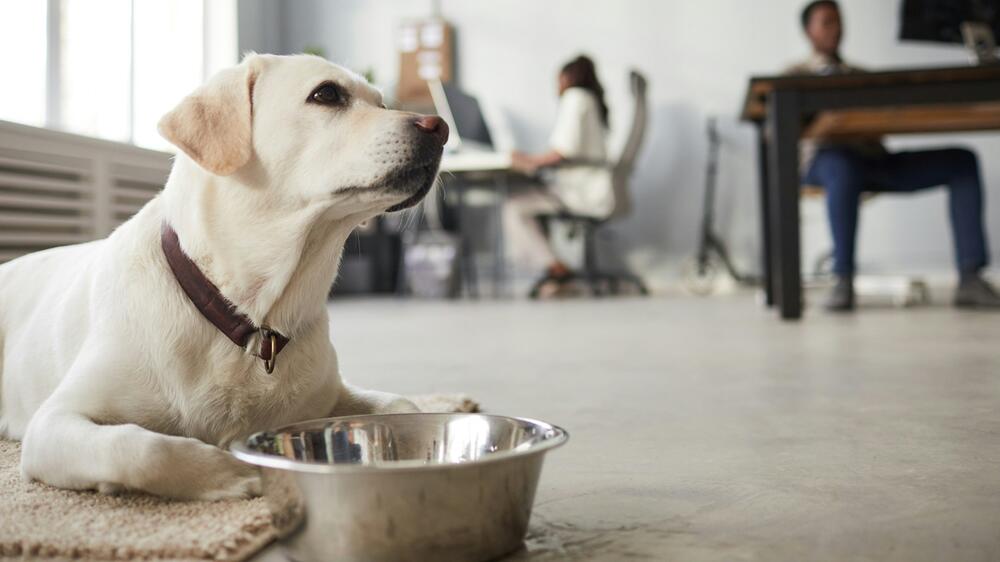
x: 807, y: 12
x: 581, y: 73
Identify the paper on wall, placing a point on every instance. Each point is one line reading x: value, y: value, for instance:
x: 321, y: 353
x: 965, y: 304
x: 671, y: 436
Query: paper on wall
x: 408, y: 39
x: 432, y: 35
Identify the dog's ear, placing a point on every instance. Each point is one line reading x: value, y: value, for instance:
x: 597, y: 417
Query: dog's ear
x: 213, y: 125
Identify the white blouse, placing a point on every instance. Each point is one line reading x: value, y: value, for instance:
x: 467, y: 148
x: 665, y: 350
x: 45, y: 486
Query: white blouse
x: 580, y: 135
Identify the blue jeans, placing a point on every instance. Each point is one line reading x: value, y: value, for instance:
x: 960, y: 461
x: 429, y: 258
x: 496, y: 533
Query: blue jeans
x: 844, y: 174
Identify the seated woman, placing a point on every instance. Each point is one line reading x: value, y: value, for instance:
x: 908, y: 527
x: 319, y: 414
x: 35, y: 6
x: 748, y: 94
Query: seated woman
x: 580, y: 182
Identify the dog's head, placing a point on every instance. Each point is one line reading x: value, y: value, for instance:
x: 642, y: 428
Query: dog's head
x: 313, y: 130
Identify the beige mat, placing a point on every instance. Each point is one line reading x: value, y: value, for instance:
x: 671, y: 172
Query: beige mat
x: 41, y: 522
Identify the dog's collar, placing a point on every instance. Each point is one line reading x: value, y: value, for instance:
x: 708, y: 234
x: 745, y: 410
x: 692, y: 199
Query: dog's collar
x: 214, y: 306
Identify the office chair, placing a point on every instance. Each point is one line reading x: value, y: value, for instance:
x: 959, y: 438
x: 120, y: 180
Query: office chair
x: 601, y: 281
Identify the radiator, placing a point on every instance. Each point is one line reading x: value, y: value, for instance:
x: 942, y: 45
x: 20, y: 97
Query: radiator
x: 57, y: 188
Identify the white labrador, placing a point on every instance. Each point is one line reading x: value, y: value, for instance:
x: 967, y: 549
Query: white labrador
x: 114, y: 379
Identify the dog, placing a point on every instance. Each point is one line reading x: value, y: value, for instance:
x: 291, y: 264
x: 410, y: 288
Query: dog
x: 130, y: 363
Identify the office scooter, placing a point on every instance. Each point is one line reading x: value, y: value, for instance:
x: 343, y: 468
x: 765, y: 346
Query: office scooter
x: 701, y: 272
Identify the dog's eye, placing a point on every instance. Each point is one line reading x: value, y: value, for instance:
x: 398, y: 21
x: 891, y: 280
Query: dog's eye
x: 327, y: 94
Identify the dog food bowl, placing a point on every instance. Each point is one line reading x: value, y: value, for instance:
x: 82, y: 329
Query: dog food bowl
x: 402, y: 487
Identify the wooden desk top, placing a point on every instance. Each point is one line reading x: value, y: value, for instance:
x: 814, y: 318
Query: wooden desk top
x: 867, y: 123
x: 754, y: 108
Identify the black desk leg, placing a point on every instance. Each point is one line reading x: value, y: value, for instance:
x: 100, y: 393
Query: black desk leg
x: 766, y: 276
x: 499, y: 250
x: 467, y: 254
x: 784, y: 128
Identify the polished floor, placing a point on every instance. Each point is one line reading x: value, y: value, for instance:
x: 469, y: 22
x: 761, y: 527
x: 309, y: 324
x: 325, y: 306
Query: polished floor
x: 708, y: 430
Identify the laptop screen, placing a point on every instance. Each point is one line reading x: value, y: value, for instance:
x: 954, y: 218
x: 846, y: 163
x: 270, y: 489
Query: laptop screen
x: 468, y: 117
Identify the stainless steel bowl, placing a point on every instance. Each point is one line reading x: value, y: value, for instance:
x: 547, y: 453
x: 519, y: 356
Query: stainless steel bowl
x: 402, y: 487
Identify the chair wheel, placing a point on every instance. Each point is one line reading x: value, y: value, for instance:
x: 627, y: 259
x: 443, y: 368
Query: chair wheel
x: 536, y: 289
x: 699, y: 278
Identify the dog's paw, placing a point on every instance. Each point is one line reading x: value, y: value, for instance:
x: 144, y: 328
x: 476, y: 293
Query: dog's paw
x: 110, y: 488
x: 398, y: 405
x: 230, y: 478
x: 185, y: 468
x: 227, y: 477
x: 241, y: 487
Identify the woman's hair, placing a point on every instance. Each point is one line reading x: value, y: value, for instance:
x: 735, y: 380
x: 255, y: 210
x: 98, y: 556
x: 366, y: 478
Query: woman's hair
x: 580, y: 73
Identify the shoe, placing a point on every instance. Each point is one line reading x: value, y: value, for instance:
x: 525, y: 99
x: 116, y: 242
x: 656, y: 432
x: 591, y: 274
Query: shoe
x: 558, y: 290
x: 559, y: 273
x: 557, y: 282
x: 975, y: 292
x: 841, y: 298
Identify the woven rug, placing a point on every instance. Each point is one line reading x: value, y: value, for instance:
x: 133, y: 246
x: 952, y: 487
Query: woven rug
x: 41, y: 522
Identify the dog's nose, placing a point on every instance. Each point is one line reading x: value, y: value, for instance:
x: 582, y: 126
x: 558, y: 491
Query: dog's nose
x: 433, y: 125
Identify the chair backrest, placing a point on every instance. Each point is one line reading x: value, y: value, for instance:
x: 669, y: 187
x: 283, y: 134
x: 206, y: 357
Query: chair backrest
x: 622, y: 170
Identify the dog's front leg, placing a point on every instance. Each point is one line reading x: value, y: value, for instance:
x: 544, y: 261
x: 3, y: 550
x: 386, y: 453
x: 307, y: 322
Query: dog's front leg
x: 64, y: 446
x: 68, y: 450
x: 356, y: 401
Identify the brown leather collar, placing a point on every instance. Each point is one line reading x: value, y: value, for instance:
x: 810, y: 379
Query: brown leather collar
x: 214, y: 306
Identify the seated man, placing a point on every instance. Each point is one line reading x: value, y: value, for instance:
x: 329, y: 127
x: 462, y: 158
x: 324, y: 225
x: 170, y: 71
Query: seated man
x: 845, y: 170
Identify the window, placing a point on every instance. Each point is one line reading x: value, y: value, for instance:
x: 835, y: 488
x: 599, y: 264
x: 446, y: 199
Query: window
x: 22, y: 31
x: 94, y: 69
x: 112, y: 68
x: 169, y: 56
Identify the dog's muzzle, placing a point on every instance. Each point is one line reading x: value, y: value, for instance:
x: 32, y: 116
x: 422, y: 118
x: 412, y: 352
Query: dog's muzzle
x: 416, y: 180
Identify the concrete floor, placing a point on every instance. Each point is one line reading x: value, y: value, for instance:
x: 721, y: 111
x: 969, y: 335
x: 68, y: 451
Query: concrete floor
x: 709, y: 430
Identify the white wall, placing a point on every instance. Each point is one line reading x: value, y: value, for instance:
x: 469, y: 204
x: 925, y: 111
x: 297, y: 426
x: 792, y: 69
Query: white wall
x: 698, y: 56
x: 259, y: 26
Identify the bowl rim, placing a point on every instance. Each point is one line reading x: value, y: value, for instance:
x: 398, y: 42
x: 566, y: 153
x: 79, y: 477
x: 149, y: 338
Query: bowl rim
x: 241, y: 451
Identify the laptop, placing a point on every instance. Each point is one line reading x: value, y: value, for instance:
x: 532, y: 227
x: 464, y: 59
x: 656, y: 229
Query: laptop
x: 470, y: 145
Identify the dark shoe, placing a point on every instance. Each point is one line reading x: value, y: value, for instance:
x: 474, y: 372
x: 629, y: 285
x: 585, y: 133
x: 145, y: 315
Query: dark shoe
x: 558, y: 290
x: 553, y: 284
x: 560, y: 275
x: 975, y: 292
x: 841, y: 298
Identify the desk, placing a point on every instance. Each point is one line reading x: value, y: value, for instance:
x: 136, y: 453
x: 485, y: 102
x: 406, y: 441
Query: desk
x: 479, y: 169
x: 789, y: 108
x: 475, y: 162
